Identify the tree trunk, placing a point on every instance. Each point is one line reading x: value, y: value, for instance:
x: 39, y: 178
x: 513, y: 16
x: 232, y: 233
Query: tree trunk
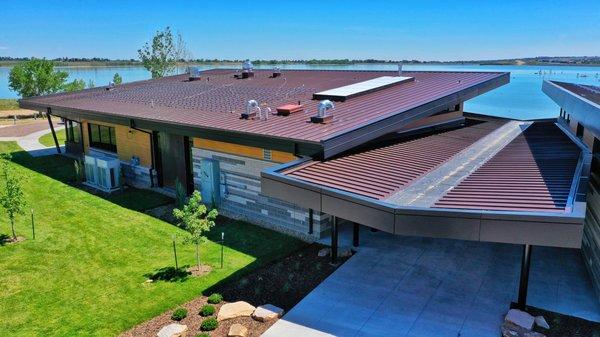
x: 198, y: 255
x: 12, y: 226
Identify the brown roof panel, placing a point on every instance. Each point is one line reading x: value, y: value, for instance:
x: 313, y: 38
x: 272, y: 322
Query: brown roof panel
x: 590, y: 92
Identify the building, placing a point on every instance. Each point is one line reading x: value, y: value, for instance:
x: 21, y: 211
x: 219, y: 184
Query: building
x: 192, y: 127
x: 580, y: 114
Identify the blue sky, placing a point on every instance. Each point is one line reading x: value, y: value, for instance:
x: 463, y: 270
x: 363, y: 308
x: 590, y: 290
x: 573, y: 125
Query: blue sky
x: 425, y: 30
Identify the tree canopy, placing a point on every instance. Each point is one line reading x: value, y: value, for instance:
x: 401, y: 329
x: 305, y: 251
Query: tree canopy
x: 37, y: 77
x: 160, y: 56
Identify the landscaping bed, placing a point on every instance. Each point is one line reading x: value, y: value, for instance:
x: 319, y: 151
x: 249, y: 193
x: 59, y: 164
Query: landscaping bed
x: 282, y: 283
x: 564, y: 325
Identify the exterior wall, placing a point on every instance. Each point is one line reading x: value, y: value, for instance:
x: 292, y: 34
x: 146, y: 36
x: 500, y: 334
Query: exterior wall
x: 129, y: 143
x: 240, y: 190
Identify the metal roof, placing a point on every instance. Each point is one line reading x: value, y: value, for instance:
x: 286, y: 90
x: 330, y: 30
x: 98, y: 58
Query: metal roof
x: 533, y: 173
x: 214, y: 103
x: 589, y: 92
x: 527, y: 191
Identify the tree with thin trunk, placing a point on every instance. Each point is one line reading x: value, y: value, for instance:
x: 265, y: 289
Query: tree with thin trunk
x: 13, y: 198
x: 117, y: 79
x: 196, y: 220
x: 160, y: 57
x: 38, y: 77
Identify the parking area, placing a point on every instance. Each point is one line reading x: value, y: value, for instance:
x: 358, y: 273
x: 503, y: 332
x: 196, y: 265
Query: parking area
x: 411, y: 286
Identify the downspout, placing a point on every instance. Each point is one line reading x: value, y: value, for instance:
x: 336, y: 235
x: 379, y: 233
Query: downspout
x: 152, y: 159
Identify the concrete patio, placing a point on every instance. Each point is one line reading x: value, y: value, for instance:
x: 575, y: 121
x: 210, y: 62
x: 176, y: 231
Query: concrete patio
x: 420, y: 287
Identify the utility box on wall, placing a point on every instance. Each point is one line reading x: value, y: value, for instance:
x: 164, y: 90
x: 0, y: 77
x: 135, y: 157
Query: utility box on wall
x: 210, y: 180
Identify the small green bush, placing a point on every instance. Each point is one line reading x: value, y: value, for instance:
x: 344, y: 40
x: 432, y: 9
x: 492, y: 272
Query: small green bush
x: 209, y: 324
x: 215, y: 298
x: 207, y: 310
x: 179, y: 314
x: 204, y: 334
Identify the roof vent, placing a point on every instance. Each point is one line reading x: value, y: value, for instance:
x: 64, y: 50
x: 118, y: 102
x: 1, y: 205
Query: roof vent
x: 276, y: 72
x: 195, y: 73
x: 251, y: 108
x: 288, y: 109
x: 111, y: 86
x: 322, y: 115
x: 399, y: 69
x: 247, y: 69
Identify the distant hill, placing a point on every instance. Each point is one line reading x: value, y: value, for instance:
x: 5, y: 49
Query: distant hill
x: 539, y: 60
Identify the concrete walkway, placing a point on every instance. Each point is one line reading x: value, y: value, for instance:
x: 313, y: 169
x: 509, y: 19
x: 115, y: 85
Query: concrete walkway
x: 31, y: 143
x: 420, y: 287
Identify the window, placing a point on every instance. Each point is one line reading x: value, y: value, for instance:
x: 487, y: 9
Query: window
x: 579, y: 130
x: 102, y: 137
x: 73, y: 130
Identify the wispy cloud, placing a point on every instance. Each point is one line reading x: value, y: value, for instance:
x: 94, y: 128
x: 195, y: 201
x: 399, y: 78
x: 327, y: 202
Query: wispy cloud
x: 4, y: 48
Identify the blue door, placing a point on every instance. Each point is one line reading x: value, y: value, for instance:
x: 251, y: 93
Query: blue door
x: 210, y: 181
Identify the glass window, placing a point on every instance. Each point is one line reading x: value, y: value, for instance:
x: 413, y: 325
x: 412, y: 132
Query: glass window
x: 73, y: 131
x: 102, y: 137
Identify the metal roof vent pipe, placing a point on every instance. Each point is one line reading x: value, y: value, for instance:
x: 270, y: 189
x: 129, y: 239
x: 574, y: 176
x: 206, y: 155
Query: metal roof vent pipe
x: 276, y: 72
x: 195, y: 73
x: 399, y: 69
x: 247, y: 69
x: 322, y: 115
x: 251, y: 108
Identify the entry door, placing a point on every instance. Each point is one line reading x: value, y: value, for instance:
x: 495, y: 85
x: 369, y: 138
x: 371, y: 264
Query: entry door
x: 172, y: 152
x: 210, y: 181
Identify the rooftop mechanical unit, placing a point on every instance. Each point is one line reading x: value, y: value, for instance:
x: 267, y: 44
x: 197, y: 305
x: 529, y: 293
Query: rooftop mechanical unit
x: 357, y: 89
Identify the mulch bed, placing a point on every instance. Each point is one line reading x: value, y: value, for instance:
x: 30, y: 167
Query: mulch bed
x: 565, y: 326
x: 7, y: 240
x: 282, y: 283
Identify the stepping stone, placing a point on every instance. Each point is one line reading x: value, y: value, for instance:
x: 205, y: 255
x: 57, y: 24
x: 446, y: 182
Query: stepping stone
x: 520, y: 318
x: 541, y: 322
x: 267, y: 312
x: 173, y: 330
x: 235, y: 309
x: 237, y: 330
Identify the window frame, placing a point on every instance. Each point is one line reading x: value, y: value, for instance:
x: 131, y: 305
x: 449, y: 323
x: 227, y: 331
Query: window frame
x: 109, y: 144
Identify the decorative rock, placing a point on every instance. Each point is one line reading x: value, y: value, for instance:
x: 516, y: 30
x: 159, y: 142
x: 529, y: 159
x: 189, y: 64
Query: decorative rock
x: 533, y: 334
x: 345, y: 252
x: 324, y: 252
x: 267, y: 312
x: 173, y: 330
x: 541, y: 322
x: 237, y: 330
x: 235, y: 309
x: 519, y: 318
x: 510, y: 330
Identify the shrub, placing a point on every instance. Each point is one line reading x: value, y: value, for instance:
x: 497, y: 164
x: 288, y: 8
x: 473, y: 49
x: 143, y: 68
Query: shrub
x: 204, y: 334
x: 209, y: 324
x: 207, y: 310
x: 215, y: 298
x: 179, y: 314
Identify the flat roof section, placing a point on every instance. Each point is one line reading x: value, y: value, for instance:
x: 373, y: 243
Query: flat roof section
x: 589, y: 92
x: 533, y: 173
x: 360, y: 88
x: 211, y: 106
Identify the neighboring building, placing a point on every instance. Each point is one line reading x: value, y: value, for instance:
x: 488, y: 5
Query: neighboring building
x: 580, y: 114
x: 217, y: 130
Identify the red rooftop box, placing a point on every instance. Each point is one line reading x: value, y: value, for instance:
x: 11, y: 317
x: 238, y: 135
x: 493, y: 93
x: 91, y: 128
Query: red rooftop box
x: 286, y: 110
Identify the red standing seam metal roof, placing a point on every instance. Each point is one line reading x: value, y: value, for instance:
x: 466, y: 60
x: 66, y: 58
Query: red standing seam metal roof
x: 590, y: 92
x: 532, y: 173
x: 217, y: 100
x: 380, y: 172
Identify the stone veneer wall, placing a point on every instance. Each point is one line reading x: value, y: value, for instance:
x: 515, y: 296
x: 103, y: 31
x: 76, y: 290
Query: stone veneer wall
x: 241, y: 196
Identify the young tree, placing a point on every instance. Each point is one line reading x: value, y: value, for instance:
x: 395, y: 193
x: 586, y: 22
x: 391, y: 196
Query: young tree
x: 74, y: 86
x: 117, y: 79
x: 13, y: 198
x: 36, y: 77
x: 160, y: 57
x: 194, y: 218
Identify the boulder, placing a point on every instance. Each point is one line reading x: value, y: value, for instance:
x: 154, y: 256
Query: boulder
x: 324, y: 252
x: 511, y: 330
x: 173, y: 330
x: 345, y: 252
x: 520, y: 318
x: 267, y: 312
x: 237, y: 330
x: 235, y: 309
x: 533, y: 334
x: 541, y: 322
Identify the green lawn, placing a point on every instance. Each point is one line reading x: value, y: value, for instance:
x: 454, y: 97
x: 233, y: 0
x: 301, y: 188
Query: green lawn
x: 8, y: 104
x: 48, y: 140
x: 83, y: 275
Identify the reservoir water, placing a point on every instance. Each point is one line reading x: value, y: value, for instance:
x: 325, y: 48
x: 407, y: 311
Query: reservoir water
x: 522, y: 98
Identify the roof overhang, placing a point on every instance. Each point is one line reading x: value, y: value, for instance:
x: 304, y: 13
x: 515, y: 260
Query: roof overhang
x: 558, y: 229
x: 580, y: 108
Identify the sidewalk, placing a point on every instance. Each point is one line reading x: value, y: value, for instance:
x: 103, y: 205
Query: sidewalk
x: 31, y: 143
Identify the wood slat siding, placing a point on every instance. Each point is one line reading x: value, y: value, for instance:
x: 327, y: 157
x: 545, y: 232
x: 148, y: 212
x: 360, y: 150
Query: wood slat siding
x: 134, y: 143
x: 242, y: 150
x: 591, y: 231
x: 241, y: 196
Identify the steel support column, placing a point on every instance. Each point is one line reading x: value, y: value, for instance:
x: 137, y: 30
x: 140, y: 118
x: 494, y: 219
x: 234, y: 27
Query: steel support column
x: 49, y: 115
x: 355, y: 232
x: 334, y: 240
x: 310, y: 221
x: 524, y: 280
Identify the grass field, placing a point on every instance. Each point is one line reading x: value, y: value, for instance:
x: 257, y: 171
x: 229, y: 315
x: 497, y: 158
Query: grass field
x: 8, y: 104
x: 84, y: 273
x: 48, y: 140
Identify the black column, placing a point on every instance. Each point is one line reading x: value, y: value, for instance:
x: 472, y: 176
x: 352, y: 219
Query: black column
x: 310, y: 221
x: 334, y: 240
x: 48, y: 114
x: 355, y: 233
x: 524, y: 280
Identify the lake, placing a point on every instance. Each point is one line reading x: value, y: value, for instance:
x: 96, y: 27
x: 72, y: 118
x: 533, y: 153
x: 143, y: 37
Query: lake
x: 521, y: 99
